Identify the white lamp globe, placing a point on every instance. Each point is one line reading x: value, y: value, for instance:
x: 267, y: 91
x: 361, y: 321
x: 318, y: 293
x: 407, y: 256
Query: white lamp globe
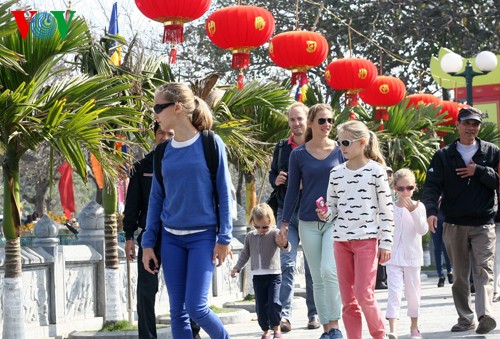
x: 451, y: 63
x: 486, y: 61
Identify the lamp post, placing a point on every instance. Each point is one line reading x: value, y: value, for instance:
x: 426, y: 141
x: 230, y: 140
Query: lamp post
x: 451, y: 63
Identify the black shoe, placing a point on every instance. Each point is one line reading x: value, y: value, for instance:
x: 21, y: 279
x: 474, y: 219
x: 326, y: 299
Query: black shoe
x: 441, y: 281
x: 450, y: 278
x: 381, y: 286
x: 486, y: 324
x: 463, y: 327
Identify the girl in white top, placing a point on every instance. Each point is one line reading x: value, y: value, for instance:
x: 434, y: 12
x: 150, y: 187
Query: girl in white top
x: 359, y: 201
x: 403, y: 270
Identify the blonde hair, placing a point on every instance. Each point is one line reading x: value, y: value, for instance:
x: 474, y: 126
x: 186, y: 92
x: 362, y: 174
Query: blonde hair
x: 260, y: 212
x: 301, y: 105
x: 197, y: 110
x: 404, y: 173
x: 313, y: 111
x: 358, y: 130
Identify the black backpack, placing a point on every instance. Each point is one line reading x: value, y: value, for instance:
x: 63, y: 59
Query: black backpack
x: 210, y: 151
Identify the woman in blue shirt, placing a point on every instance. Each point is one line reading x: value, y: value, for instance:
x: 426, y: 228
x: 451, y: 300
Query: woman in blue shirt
x: 184, y: 212
x: 309, y: 170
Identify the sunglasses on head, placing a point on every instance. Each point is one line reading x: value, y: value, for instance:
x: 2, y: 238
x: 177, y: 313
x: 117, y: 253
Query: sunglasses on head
x: 263, y: 227
x: 321, y: 121
x: 403, y: 188
x: 347, y: 142
x: 160, y: 107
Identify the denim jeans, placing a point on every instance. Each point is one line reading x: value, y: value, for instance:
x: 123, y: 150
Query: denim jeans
x: 437, y: 240
x: 188, y: 270
x: 288, y: 269
x: 267, y: 302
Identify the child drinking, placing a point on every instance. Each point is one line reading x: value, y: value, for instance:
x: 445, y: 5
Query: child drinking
x: 262, y: 246
x: 359, y: 202
x: 403, y: 269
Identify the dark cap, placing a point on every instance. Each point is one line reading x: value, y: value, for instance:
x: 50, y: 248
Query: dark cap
x: 470, y: 113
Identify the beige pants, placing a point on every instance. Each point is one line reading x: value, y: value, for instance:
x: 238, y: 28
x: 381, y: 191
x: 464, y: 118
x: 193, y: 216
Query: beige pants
x: 474, y: 245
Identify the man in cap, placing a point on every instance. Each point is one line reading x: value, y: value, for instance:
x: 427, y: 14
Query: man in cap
x: 465, y: 174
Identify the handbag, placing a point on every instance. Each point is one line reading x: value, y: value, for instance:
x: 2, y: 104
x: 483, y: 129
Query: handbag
x: 272, y: 201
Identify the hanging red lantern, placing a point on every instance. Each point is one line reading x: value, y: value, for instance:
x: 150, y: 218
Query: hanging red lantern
x: 423, y: 99
x: 450, y: 111
x: 298, y: 51
x: 173, y: 14
x: 352, y: 75
x: 385, y: 91
x: 240, y: 29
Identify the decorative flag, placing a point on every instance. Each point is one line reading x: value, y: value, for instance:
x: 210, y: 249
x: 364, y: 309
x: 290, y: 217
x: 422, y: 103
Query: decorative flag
x: 97, y: 170
x: 115, y: 50
x: 66, y: 191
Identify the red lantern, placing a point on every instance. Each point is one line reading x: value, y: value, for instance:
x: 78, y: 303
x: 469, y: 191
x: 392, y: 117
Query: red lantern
x: 423, y: 99
x: 298, y: 51
x: 173, y: 14
x: 240, y: 29
x: 385, y: 91
x: 352, y: 75
x: 450, y: 109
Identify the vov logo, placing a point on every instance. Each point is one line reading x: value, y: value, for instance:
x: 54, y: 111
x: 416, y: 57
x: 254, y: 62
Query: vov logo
x: 43, y: 25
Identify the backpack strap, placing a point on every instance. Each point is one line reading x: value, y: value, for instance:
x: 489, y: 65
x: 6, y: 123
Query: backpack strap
x: 158, y: 156
x: 280, y: 145
x: 212, y: 160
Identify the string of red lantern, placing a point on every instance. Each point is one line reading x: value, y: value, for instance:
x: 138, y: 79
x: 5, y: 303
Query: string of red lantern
x: 384, y: 92
x: 352, y: 75
x: 173, y: 14
x: 240, y: 29
x: 298, y: 51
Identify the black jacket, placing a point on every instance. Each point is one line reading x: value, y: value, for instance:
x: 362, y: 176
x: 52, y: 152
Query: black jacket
x: 136, y: 203
x: 276, y: 168
x: 469, y: 201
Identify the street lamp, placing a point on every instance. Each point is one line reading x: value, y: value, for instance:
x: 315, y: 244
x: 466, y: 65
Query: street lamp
x: 451, y: 63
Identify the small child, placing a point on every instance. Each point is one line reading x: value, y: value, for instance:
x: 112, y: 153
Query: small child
x: 403, y: 269
x: 262, y: 246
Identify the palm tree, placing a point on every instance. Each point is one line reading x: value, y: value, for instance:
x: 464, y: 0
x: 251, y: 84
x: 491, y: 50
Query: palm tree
x: 73, y: 115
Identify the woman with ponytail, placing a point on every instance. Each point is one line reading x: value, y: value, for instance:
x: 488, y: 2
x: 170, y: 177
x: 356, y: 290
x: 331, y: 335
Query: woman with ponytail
x: 308, y: 171
x: 359, y: 202
x: 184, y: 212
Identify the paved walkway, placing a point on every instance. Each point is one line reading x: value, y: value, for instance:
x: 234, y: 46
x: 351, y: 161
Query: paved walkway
x: 438, y: 315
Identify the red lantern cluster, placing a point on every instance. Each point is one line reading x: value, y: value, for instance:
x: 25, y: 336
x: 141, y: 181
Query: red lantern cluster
x: 298, y: 51
x: 352, y: 75
x: 173, y: 14
x: 385, y: 91
x: 240, y: 29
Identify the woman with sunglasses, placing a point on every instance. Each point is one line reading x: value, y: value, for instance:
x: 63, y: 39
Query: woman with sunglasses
x: 262, y: 246
x: 403, y: 269
x: 309, y: 168
x: 359, y: 202
x: 184, y: 213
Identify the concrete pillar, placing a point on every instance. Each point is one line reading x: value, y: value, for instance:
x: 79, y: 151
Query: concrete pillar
x: 91, y: 221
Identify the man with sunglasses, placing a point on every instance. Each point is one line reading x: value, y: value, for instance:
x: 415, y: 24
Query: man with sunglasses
x: 297, y: 117
x: 465, y: 174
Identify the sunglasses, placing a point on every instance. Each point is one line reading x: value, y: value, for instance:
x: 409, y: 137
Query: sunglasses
x: 403, y: 188
x: 347, y: 142
x: 321, y: 121
x: 160, y: 107
x: 263, y: 227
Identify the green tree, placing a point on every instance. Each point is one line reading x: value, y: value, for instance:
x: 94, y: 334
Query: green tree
x: 73, y: 115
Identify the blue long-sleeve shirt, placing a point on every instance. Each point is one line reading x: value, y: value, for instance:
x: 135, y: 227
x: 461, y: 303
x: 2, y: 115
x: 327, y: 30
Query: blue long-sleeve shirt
x: 314, y: 174
x: 188, y: 203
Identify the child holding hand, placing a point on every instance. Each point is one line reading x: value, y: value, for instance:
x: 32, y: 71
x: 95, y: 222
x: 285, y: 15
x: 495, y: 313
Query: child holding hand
x: 263, y: 246
x: 403, y: 269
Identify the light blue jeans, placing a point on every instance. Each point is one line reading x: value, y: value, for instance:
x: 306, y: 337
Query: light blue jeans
x: 288, y: 269
x: 317, y: 243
